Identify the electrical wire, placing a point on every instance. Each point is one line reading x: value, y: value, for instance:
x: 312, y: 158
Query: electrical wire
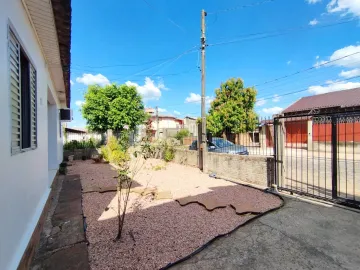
x: 170, y: 20
x: 286, y: 31
x: 240, y: 7
x: 305, y: 70
x: 306, y: 89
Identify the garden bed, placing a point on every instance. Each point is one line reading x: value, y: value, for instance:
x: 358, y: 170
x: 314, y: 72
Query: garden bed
x: 158, y: 231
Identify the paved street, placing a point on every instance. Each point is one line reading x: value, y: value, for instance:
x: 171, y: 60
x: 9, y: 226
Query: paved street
x: 311, y: 171
x: 314, y: 176
x: 301, y: 235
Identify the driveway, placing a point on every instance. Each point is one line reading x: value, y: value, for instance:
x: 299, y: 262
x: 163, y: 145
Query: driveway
x: 301, y: 235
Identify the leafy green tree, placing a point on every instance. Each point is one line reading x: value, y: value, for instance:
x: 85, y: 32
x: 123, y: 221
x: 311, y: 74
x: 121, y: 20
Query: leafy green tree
x: 113, y: 107
x: 181, y: 134
x: 232, y: 111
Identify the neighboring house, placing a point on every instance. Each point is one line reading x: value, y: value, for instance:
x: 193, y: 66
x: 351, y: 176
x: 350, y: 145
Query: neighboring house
x: 35, y: 38
x: 300, y: 131
x: 165, y: 126
x: 166, y: 121
x: 191, y: 125
x: 80, y: 134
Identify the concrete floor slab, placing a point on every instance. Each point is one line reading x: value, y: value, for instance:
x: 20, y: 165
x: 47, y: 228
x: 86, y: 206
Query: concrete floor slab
x: 75, y: 258
x: 301, y: 235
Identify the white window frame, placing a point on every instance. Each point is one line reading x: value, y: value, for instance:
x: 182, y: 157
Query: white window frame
x: 12, y: 35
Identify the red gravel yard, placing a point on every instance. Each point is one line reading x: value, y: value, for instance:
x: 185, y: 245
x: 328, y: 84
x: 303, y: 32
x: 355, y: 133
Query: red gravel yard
x: 158, y: 230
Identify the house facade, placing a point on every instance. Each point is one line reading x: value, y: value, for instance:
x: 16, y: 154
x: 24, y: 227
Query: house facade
x: 191, y: 125
x: 35, y: 84
x: 308, y: 120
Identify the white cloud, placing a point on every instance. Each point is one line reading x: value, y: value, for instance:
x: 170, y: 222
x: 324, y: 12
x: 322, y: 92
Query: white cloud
x: 71, y: 82
x: 317, y: 57
x: 196, y: 98
x: 177, y: 113
x: 313, y: 1
x: 150, y: 90
x: 89, y: 79
x: 79, y: 103
x: 162, y: 110
x: 313, y: 22
x: 260, y: 102
x: 288, y: 62
x: 332, y: 86
x: 350, y: 73
x: 349, y: 61
x: 273, y: 110
x: 276, y: 98
x: 344, y: 6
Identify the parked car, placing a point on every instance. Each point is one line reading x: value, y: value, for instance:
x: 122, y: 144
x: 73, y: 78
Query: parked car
x: 220, y: 145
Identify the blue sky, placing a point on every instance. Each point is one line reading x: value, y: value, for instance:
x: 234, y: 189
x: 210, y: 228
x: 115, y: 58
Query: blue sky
x: 131, y: 42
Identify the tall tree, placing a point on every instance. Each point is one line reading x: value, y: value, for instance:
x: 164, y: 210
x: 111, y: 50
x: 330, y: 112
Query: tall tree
x: 232, y: 110
x: 113, y: 107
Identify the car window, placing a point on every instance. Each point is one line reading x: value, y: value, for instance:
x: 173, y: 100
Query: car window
x: 222, y: 143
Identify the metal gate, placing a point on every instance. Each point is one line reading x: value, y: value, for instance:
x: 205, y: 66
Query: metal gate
x: 325, y: 164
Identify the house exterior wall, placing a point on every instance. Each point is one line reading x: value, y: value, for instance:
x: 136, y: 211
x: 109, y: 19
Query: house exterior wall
x: 346, y: 132
x: 166, y: 123
x: 190, y: 124
x: 24, y: 177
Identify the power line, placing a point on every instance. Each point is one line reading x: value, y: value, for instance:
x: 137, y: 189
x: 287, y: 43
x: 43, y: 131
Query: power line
x: 286, y: 31
x: 305, y: 70
x: 272, y: 96
x: 125, y: 65
x: 163, y: 63
x: 170, y: 20
x: 306, y: 89
x: 240, y: 7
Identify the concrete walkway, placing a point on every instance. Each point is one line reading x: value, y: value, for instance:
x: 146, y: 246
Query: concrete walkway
x: 62, y: 242
x: 301, y: 235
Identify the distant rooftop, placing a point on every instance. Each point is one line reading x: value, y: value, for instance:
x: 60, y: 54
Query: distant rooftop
x: 338, y: 99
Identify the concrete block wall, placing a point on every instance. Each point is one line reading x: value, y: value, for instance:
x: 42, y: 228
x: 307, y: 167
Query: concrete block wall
x: 257, y: 170
x: 186, y: 157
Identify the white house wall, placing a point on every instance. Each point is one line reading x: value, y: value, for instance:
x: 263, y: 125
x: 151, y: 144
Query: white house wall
x: 23, y: 177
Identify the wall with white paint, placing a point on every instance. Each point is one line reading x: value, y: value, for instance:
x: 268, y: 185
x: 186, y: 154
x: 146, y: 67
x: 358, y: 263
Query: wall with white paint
x: 23, y: 177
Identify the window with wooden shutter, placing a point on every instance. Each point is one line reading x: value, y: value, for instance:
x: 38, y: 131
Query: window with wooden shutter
x: 15, y: 90
x: 33, y: 106
x: 23, y: 98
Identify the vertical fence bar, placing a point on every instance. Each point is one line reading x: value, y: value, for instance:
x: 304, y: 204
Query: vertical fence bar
x: 334, y: 156
x: 318, y: 171
x: 345, y: 160
x: 338, y: 157
x: 354, y: 158
x: 307, y: 152
x: 275, y: 145
x: 325, y: 160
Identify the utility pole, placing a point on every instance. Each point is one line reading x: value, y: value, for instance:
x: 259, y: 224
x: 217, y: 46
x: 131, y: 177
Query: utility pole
x: 157, y: 122
x: 203, y: 94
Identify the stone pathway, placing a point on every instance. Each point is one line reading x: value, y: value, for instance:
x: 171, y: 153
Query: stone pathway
x: 63, y: 244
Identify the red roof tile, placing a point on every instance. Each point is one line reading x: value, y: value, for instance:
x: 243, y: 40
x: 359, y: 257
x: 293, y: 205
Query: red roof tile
x: 342, y: 99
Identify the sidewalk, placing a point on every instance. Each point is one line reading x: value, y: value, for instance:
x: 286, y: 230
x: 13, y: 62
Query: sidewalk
x: 62, y: 244
x: 301, y: 235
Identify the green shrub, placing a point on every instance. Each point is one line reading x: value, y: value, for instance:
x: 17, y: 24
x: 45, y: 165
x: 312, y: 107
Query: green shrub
x: 169, y: 154
x: 112, y: 144
x: 180, y: 135
x: 118, y: 157
x: 74, y: 144
x: 104, y: 151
